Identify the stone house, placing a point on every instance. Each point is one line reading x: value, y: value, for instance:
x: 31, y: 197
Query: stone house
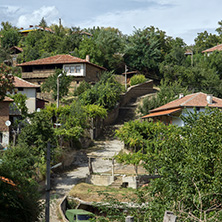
x: 39, y: 70
x: 170, y: 113
x: 4, y: 116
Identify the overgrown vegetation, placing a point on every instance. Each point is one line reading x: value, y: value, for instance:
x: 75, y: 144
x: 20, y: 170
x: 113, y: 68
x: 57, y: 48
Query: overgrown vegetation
x: 188, y: 161
x: 137, y: 79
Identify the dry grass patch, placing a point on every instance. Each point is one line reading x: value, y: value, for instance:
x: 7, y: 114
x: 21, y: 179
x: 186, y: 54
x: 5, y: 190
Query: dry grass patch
x: 92, y: 193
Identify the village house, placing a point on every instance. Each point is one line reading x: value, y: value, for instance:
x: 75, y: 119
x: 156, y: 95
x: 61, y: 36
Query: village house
x: 15, y: 51
x: 4, y: 121
x: 39, y: 70
x: 28, y: 89
x: 32, y: 28
x: 211, y: 50
x: 170, y: 113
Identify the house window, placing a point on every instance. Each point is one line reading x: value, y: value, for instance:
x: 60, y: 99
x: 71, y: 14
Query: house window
x: 1, y: 137
x: 72, y: 69
x: 78, y: 69
x: 20, y: 89
x: 66, y: 69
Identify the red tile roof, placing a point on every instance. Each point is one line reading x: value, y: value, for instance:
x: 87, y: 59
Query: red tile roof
x: 18, y: 48
x: 7, y: 99
x: 162, y: 113
x: 58, y: 59
x: 192, y: 100
x: 215, y: 48
x: 18, y: 82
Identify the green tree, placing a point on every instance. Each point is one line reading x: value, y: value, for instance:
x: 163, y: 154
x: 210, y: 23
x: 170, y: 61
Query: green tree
x: 204, y: 40
x: 105, y: 93
x: 187, y: 160
x: 10, y: 36
x: 143, y: 51
x: 50, y: 85
x: 21, y: 196
x: 43, y: 23
x: 38, y: 133
x: 6, y: 81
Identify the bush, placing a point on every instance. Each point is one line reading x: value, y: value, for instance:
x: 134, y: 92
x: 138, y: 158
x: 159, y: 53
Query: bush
x: 83, y: 86
x: 137, y: 79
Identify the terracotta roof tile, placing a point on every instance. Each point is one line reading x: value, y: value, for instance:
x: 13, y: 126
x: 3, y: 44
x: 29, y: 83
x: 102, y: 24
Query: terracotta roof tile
x: 162, y: 113
x: 7, y: 99
x: 18, y: 82
x: 58, y: 59
x: 215, y: 48
x: 192, y: 100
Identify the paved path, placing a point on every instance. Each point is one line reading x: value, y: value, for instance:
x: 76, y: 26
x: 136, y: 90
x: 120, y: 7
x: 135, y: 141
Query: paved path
x: 106, y: 148
x: 62, y: 184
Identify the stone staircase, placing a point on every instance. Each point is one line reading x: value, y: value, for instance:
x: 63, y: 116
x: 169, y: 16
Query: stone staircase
x: 117, y: 182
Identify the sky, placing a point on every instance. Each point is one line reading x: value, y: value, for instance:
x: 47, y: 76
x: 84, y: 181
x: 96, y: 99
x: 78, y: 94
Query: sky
x: 178, y: 18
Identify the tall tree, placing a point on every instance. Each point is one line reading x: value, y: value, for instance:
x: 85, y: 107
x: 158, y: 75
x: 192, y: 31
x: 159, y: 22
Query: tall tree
x: 50, y: 85
x: 6, y: 81
x: 143, y: 52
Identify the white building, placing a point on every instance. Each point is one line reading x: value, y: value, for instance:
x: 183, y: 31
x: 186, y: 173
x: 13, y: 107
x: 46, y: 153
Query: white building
x: 170, y: 113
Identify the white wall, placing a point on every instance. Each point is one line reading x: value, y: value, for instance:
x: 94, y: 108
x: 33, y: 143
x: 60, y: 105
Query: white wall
x: 74, y: 73
x: 178, y: 121
x: 5, y: 139
x: 31, y: 98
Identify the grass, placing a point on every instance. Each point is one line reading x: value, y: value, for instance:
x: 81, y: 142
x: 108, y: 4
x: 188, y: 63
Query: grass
x: 92, y: 193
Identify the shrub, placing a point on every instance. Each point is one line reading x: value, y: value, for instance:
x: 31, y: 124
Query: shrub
x: 137, y: 79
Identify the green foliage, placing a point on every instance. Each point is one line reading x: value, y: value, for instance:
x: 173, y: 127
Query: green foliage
x: 20, y: 102
x: 168, y: 91
x: 73, y: 120
x: 94, y: 111
x: 50, y: 85
x: 136, y: 134
x: 104, y: 93
x: 137, y: 79
x: 6, y: 81
x: 21, y: 201
x: 10, y: 36
x: 204, y: 40
x: 188, y: 162
x: 83, y: 86
x: 38, y: 133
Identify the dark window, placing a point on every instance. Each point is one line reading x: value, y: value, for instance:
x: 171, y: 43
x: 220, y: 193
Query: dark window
x: 1, y: 137
x: 20, y: 89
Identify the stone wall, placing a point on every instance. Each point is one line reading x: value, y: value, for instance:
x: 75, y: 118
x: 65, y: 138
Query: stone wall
x: 136, y: 91
x: 112, y: 116
x: 100, y: 180
x: 4, y: 115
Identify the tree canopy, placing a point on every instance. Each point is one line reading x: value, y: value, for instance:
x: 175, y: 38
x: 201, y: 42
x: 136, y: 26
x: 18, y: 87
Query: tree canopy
x: 187, y: 160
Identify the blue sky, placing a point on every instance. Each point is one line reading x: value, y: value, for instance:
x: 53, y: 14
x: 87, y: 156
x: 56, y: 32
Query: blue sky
x: 178, y: 18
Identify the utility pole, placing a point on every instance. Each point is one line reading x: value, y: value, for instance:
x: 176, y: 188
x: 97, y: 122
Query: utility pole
x: 126, y: 77
x: 47, y: 197
x: 58, y: 89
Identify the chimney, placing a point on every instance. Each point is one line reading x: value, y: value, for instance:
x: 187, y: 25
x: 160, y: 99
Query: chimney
x: 87, y: 58
x: 209, y: 98
x: 181, y: 95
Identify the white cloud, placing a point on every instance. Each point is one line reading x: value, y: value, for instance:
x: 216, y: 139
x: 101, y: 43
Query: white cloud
x: 49, y: 13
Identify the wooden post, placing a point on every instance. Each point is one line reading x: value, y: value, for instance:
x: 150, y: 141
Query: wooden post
x: 90, y: 166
